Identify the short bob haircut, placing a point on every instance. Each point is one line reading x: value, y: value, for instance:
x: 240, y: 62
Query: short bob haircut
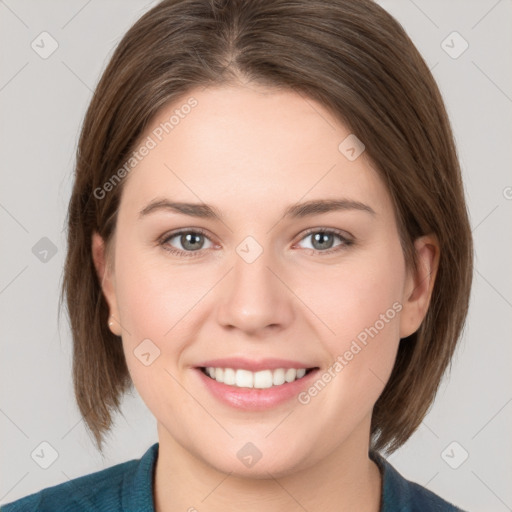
x: 357, y: 61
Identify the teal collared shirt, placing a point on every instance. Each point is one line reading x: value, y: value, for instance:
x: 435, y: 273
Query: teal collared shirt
x: 128, y: 487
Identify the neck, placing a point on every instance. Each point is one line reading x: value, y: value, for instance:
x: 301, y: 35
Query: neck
x: 346, y: 480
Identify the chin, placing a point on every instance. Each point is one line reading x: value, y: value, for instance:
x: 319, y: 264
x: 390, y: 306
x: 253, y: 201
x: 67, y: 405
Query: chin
x: 247, y: 461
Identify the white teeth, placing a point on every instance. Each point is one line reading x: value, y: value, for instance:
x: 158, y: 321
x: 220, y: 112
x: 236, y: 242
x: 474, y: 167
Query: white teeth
x: 263, y: 379
x: 259, y: 380
x: 244, y: 379
x: 278, y: 377
x: 229, y: 376
x: 290, y: 375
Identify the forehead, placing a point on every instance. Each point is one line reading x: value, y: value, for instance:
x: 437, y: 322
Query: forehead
x: 250, y: 148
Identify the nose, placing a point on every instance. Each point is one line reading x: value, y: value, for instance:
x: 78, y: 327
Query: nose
x: 255, y: 297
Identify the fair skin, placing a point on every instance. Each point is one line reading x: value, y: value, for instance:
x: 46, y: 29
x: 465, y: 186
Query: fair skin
x: 251, y: 152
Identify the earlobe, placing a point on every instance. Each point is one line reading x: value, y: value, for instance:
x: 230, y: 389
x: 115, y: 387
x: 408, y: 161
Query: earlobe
x: 419, y: 285
x: 106, y: 279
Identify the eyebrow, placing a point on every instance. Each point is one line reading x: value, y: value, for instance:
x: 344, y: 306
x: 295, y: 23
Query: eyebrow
x: 300, y: 210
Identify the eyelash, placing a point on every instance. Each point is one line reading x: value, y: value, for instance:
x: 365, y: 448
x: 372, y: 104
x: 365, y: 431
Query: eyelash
x: 164, y: 240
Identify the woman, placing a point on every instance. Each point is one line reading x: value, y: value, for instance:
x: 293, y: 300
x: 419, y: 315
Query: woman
x: 304, y: 149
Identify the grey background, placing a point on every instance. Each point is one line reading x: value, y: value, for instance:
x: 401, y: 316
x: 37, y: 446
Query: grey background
x: 42, y: 104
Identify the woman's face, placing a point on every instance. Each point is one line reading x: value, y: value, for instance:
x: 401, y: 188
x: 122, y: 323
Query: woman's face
x: 259, y: 289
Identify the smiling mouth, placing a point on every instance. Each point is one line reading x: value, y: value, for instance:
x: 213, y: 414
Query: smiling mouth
x: 258, y: 380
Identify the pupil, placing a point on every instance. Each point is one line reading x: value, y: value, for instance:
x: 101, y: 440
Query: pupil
x: 320, y: 237
x: 189, y: 239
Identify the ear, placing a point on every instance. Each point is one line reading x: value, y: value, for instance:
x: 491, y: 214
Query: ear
x: 105, y: 272
x: 419, y: 285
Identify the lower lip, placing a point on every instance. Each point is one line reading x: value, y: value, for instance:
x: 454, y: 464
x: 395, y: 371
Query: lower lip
x: 256, y: 399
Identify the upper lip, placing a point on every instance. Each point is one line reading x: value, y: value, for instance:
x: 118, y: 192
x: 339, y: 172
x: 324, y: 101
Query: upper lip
x: 240, y: 363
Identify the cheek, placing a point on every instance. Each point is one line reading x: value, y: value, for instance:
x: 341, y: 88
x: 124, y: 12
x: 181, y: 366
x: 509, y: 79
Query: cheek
x: 154, y: 296
x: 365, y: 291
x: 162, y: 302
x: 361, y: 308
x: 156, y: 307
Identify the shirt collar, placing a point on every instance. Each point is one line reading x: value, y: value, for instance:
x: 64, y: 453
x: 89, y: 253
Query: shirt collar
x: 138, y: 488
x: 137, y: 494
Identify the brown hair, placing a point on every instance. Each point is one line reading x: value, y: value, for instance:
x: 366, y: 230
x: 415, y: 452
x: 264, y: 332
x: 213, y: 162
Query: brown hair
x: 356, y: 60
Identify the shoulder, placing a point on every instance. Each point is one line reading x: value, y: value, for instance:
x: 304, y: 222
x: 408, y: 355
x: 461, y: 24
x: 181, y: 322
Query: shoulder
x: 402, y: 495
x: 125, y: 486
